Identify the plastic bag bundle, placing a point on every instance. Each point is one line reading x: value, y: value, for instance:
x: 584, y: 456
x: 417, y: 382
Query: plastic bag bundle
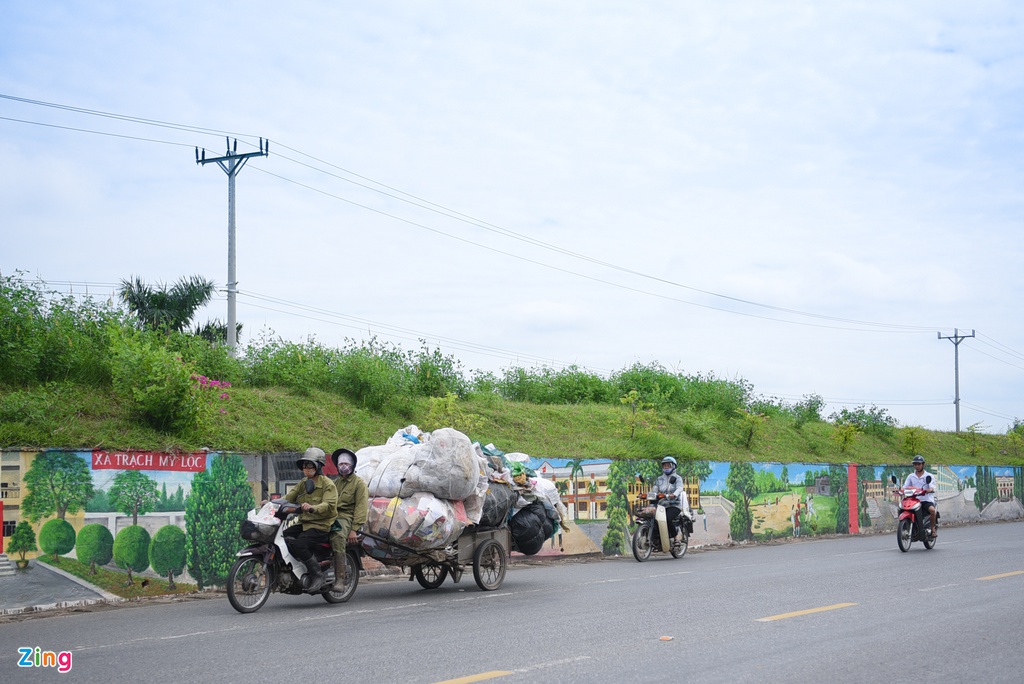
x: 497, y: 504
x: 408, y: 435
x: 388, y: 476
x: 418, y: 522
x: 446, y: 466
x: 530, y: 528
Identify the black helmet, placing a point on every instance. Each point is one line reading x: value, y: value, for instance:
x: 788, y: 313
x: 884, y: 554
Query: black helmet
x: 339, y: 452
x: 315, y: 456
x: 918, y: 459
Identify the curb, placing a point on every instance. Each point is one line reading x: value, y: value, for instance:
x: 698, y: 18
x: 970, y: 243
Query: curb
x: 105, y: 596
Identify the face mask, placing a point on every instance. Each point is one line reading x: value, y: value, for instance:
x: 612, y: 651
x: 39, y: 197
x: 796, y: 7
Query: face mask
x: 667, y: 471
x: 344, y: 469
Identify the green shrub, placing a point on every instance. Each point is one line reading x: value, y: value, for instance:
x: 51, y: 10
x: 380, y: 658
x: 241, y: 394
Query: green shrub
x: 95, y: 545
x: 57, y: 537
x: 131, y: 549
x: 167, y: 552
x: 156, y: 384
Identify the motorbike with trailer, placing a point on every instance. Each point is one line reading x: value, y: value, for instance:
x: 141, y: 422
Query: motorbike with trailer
x: 652, y: 535
x: 914, y: 522
x: 267, y: 564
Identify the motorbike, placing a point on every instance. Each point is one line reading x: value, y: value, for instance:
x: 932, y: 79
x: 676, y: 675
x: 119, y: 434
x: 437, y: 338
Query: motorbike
x: 914, y: 524
x: 267, y: 564
x: 652, y: 534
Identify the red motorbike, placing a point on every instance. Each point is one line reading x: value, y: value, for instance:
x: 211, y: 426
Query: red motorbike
x: 914, y: 523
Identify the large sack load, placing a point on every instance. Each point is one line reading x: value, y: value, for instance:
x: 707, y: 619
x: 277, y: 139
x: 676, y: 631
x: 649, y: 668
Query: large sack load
x: 497, y: 504
x: 385, y: 477
x: 446, y: 465
x: 530, y: 528
x: 419, y: 522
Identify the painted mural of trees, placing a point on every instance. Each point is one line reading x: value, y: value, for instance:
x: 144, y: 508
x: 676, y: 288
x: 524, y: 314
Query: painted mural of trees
x: 57, y: 537
x: 58, y: 482
x: 172, y: 502
x: 614, y: 540
x: 985, y: 487
x: 167, y: 553
x: 701, y: 470
x: 865, y: 474
x: 215, y: 508
x: 133, y: 493
x: 837, y: 479
x: 95, y: 546
x: 741, y: 481
x: 131, y: 550
x: 23, y: 540
x: 575, y: 470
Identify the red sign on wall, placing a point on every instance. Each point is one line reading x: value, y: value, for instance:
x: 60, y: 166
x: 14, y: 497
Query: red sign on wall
x: 149, y: 460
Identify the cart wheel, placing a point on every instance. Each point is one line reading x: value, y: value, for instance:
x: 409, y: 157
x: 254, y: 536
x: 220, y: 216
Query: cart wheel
x: 489, y: 563
x: 430, y: 575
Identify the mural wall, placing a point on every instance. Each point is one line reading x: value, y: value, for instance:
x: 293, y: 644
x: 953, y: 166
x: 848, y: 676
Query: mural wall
x: 735, y: 501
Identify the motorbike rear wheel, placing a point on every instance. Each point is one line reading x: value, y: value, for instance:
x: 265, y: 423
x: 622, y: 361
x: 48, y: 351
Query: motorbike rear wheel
x: 430, y: 575
x: 642, y: 543
x: 928, y: 540
x: 249, y: 584
x: 679, y: 548
x: 351, y: 582
x: 905, y: 534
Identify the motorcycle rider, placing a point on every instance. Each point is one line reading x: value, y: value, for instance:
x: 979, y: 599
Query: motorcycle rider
x: 919, y: 479
x: 318, y: 499
x: 672, y: 486
x: 353, y: 500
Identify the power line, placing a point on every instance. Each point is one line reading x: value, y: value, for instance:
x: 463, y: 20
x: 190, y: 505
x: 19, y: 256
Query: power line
x: 431, y: 206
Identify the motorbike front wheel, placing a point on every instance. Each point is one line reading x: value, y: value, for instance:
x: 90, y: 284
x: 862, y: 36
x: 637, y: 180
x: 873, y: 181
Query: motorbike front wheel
x: 905, y: 534
x: 351, y: 582
x: 249, y: 583
x: 679, y: 547
x: 642, y: 543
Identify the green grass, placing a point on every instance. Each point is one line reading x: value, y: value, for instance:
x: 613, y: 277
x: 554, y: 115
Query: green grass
x: 116, y: 582
x: 270, y: 420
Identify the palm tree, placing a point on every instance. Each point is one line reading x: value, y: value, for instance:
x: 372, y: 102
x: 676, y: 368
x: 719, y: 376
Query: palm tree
x: 575, y: 468
x: 166, y: 309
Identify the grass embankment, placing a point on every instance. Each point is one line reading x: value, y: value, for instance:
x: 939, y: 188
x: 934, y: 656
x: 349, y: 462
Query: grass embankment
x: 271, y: 420
x: 116, y: 582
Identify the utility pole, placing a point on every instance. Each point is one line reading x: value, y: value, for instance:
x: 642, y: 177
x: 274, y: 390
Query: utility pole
x: 956, y: 338
x: 232, y: 163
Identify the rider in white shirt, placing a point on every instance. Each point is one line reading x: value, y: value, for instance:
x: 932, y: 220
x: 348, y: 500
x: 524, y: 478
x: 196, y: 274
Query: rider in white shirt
x: 919, y: 479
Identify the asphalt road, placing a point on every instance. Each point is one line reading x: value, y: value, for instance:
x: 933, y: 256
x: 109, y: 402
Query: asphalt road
x: 838, y: 610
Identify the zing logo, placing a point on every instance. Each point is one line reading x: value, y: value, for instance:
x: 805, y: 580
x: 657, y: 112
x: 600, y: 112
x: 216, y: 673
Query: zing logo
x: 36, y: 657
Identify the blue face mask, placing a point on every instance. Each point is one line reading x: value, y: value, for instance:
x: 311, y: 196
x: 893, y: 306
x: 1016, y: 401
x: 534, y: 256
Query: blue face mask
x: 667, y: 471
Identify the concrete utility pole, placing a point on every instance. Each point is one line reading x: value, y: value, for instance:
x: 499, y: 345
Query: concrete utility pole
x: 956, y: 338
x: 232, y: 163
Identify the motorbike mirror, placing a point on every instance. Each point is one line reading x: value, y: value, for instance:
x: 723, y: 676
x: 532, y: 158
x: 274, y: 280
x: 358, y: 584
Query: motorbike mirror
x: 310, y: 486
x: 892, y: 478
x: 928, y: 479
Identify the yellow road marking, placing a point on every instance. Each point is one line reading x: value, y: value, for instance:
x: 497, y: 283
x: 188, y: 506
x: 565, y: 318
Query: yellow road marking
x: 477, y: 677
x: 1005, y: 574
x: 798, y: 613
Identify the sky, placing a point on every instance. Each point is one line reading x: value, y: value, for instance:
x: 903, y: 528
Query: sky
x: 801, y: 195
